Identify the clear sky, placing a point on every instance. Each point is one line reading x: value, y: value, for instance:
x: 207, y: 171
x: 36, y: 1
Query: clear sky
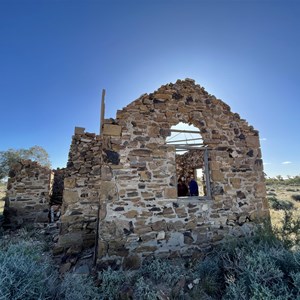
x: 57, y: 55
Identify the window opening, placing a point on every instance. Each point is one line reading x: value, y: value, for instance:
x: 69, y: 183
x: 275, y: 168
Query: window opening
x: 191, y: 157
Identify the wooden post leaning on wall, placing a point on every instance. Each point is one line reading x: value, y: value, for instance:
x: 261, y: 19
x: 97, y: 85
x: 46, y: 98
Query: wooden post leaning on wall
x: 102, y: 114
x: 102, y: 111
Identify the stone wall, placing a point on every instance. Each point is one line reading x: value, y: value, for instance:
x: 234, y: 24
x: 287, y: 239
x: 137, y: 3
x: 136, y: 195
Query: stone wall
x: 28, y: 193
x: 81, y: 191
x: 127, y: 177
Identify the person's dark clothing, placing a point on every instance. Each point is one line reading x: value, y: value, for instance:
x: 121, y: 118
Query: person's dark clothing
x: 182, y: 189
x: 193, y: 188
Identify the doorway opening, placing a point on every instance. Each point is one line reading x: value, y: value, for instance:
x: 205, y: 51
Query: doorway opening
x: 191, y: 157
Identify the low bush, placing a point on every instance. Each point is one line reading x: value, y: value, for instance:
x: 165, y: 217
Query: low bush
x: 78, y: 287
x: 146, y: 283
x: 158, y: 270
x: 279, y: 180
x: 289, y: 232
x: 256, y: 275
x: 142, y: 290
x: 280, y: 204
x: 258, y: 267
x: 111, y: 282
x: 210, y: 275
x: 296, y: 197
x: 265, y: 265
x: 26, y: 272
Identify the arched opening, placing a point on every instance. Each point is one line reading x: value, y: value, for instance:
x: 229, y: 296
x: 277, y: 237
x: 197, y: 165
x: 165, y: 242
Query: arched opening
x: 191, y: 157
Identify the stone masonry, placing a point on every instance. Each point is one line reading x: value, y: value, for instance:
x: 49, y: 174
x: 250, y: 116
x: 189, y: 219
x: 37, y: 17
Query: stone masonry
x: 28, y: 193
x: 120, y: 188
x: 82, y: 187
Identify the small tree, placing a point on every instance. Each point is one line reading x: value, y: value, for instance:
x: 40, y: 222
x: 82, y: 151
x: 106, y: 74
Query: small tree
x: 11, y: 156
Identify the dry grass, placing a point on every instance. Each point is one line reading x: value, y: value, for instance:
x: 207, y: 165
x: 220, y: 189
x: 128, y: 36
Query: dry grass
x: 285, y: 193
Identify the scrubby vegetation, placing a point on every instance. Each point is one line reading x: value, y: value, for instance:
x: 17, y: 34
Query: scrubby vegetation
x: 77, y: 287
x: 263, y: 266
x: 280, y: 204
x: 27, y: 272
x: 296, y: 197
x: 279, y: 180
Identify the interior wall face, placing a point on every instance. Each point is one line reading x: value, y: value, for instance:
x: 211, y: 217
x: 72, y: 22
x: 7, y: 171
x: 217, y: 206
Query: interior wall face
x: 186, y: 163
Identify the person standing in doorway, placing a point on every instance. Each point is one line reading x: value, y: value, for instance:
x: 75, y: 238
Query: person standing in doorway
x: 193, y: 186
x: 182, y: 188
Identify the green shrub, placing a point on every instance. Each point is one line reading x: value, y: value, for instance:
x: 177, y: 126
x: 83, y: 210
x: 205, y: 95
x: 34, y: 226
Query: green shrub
x: 262, y: 266
x: 295, y: 276
x: 279, y: 180
x: 258, y: 275
x: 159, y: 270
x: 111, y: 282
x: 209, y: 272
x: 78, y: 287
x: 296, y: 197
x: 143, y: 290
x: 289, y: 232
x: 280, y: 204
x: 26, y: 272
x: 259, y: 269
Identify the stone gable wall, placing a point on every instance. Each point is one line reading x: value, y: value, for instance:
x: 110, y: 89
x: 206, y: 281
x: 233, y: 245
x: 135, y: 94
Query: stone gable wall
x: 144, y: 215
x: 129, y: 174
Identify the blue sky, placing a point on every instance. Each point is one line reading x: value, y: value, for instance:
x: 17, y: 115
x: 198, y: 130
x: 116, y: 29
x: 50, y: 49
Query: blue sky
x: 57, y: 55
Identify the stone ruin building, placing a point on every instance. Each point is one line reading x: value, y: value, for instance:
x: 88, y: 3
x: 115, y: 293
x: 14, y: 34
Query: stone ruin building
x: 120, y: 187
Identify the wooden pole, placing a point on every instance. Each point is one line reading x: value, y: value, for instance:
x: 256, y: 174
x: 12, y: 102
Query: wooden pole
x: 207, y: 179
x: 102, y: 111
x: 102, y: 114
